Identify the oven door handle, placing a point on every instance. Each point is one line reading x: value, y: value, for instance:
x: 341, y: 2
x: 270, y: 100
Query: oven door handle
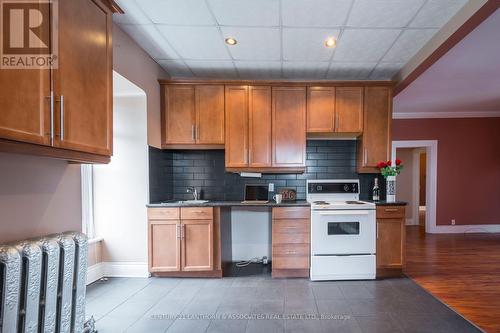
x: 351, y: 212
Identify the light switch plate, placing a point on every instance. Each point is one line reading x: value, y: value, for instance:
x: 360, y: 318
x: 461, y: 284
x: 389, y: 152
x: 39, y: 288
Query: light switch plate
x: 271, y: 187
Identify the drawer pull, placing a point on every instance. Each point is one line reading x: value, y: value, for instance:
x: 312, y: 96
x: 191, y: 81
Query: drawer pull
x: 291, y: 252
x: 391, y: 209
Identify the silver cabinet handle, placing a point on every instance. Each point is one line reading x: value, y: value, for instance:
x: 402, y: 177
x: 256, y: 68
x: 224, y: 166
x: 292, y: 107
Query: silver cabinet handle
x: 178, y: 231
x: 197, y: 132
x: 377, y: 230
x: 61, y: 109
x: 365, y: 157
x: 193, y: 132
x: 291, y: 252
x: 336, y: 122
x: 51, y: 118
x: 183, y: 231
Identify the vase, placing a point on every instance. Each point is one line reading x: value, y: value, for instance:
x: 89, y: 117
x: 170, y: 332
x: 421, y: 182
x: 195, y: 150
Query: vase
x: 391, y: 189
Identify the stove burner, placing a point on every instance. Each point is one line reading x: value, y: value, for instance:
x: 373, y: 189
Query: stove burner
x: 321, y: 202
x: 354, y: 202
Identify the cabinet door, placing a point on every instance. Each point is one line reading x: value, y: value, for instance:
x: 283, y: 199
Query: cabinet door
x: 260, y: 127
x: 236, y: 126
x: 349, y: 110
x: 320, y: 109
x: 179, y: 114
x: 84, y: 77
x: 390, y: 241
x: 164, y: 246
x: 25, y: 105
x: 289, y: 126
x: 197, y: 245
x: 375, y: 142
x: 210, y: 114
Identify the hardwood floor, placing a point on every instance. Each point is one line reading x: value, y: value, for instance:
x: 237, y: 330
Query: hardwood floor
x: 462, y: 270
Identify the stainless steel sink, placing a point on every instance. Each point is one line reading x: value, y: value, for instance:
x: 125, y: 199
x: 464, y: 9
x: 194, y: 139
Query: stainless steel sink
x: 193, y: 202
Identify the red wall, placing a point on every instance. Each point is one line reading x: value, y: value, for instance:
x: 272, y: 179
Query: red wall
x: 468, y: 186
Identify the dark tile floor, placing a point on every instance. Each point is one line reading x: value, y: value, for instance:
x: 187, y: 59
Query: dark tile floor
x: 248, y: 302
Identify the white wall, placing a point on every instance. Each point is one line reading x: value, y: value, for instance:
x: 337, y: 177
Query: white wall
x: 121, y: 187
x: 38, y: 196
x: 250, y: 232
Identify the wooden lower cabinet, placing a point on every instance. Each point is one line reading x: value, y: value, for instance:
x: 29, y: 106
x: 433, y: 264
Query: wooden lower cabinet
x: 291, y: 241
x: 182, y: 247
x: 390, y: 240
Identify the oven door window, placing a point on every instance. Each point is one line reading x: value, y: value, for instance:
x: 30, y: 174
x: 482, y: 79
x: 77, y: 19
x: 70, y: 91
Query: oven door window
x: 343, y: 228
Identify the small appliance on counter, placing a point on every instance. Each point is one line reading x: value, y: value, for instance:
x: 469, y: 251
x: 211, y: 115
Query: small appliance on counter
x: 256, y: 194
x: 343, y: 231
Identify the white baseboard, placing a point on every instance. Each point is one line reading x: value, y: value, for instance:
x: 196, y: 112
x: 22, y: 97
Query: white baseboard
x: 410, y: 221
x: 126, y: 269
x: 460, y: 229
x: 116, y: 269
x: 95, y: 272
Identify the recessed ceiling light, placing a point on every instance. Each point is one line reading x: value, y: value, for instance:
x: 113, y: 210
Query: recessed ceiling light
x: 330, y: 42
x: 231, y: 41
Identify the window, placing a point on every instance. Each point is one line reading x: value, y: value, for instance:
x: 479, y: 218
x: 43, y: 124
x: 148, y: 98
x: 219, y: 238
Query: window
x: 88, y: 200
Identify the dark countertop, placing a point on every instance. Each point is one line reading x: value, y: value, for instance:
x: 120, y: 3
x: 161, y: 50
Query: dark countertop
x: 385, y: 203
x: 298, y: 203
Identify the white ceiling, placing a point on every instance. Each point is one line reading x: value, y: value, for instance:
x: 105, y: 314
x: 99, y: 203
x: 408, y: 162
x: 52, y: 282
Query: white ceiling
x: 284, y: 39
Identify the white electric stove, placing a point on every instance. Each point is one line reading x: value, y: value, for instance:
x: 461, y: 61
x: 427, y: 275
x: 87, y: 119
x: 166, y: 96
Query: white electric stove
x: 343, y: 231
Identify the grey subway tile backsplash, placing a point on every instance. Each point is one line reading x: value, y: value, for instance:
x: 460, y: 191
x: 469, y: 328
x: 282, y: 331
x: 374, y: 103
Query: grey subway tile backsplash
x: 171, y: 172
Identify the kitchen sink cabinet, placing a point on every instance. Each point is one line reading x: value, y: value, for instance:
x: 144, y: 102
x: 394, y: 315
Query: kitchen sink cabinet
x: 67, y: 114
x: 193, y: 116
x: 181, y: 241
x: 375, y: 143
x: 390, y: 240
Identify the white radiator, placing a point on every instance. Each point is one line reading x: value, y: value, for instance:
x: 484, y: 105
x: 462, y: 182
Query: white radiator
x: 42, y: 286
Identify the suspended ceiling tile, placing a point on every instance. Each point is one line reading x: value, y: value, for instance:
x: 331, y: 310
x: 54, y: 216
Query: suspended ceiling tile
x: 305, y: 70
x: 258, y: 69
x: 364, y: 45
x: 254, y: 43
x: 150, y: 39
x: 200, y: 43
x: 175, y: 68
x: 301, y: 44
x: 408, y: 44
x: 213, y: 69
x: 180, y: 12
x: 246, y: 13
x: 383, y: 13
x: 317, y: 13
x: 385, y: 71
x: 436, y: 13
x: 350, y: 70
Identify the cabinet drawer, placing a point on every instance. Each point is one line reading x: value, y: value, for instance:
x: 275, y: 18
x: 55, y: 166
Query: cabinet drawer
x: 290, y: 250
x: 291, y: 226
x: 197, y: 213
x: 163, y: 213
x: 291, y: 213
x: 290, y: 262
x: 291, y: 238
x: 390, y: 212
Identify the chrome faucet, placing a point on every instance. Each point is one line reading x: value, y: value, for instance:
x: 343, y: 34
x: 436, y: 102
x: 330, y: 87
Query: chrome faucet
x: 192, y: 189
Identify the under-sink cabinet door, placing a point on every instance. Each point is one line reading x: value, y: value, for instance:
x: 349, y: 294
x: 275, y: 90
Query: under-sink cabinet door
x: 164, y: 246
x: 196, y: 245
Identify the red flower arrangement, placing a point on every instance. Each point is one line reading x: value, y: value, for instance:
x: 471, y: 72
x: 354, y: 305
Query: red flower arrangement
x: 387, y: 169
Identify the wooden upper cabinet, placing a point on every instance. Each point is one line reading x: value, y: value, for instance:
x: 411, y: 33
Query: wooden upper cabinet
x: 260, y: 115
x: 320, y: 109
x: 25, y: 105
x: 349, y: 110
x: 210, y: 114
x: 164, y: 246
x: 289, y: 127
x: 236, y: 126
x: 179, y: 114
x: 197, y: 245
x: 375, y: 144
x: 193, y: 115
x: 83, y: 79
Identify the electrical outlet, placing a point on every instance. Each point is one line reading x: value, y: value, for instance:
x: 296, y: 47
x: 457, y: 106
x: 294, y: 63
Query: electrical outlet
x: 265, y: 261
x: 452, y: 221
x: 271, y: 187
